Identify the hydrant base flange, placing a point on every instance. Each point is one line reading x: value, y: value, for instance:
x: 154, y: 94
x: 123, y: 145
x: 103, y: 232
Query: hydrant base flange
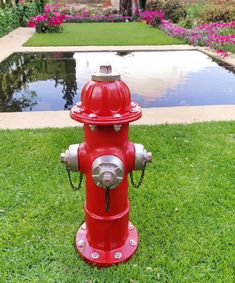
x: 102, y: 257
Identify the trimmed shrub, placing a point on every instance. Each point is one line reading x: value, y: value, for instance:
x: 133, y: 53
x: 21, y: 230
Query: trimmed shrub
x: 217, y: 13
x: 9, y: 20
x: 174, y: 10
x: 25, y: 11
x: 154, y: 5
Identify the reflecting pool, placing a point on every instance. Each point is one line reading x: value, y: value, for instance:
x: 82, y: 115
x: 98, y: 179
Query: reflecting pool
x: 53, y: 81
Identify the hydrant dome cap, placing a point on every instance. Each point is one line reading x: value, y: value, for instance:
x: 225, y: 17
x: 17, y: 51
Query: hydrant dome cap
x: 105, y: 102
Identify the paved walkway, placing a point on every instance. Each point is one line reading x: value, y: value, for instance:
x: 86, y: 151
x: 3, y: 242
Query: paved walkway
x: 13, y: 43
x: 151, y: 116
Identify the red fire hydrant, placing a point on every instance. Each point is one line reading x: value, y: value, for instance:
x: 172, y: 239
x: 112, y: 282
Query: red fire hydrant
x: 106, y: 157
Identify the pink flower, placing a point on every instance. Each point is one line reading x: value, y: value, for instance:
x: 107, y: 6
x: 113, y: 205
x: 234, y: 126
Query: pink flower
x: 31, y: 22
x: 39, y: 18
x: 47, y: 9
x: 222, y: 53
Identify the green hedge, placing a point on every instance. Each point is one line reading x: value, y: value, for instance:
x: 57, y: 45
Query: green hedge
x: 11, y: 18
x: 8, y: 20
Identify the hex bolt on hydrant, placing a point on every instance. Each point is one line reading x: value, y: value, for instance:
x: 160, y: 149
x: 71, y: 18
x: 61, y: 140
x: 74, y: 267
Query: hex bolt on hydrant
x: 106, y: 157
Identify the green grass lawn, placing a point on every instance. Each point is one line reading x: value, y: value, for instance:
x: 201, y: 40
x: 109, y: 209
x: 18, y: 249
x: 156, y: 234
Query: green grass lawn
x: 184, y: 211
x: 99, y: 34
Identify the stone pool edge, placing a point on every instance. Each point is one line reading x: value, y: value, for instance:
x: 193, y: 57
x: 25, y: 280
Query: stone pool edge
x: 151, y: 116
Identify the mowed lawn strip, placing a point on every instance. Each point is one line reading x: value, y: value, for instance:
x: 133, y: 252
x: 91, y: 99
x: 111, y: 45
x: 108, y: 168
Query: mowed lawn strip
x: 84, y: 34
x: 184, y: 210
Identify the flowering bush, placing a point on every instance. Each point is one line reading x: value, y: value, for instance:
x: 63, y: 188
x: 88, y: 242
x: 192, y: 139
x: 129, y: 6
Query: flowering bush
x: 174, y: 9
x: 218, y: 36
x: 82, y: 10
x: 174, y: 30
x: 96, y: 19
x: 48, y: 22
x: 152, y: 18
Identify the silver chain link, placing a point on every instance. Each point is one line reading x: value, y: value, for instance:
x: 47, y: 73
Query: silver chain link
x: 78, y: 187
x: 133, y: 183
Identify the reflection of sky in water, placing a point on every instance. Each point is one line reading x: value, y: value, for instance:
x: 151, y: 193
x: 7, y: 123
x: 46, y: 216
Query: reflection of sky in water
x: 156, y: 79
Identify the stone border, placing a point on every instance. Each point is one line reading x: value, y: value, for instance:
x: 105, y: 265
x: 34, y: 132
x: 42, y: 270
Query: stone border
x: 151, y: 116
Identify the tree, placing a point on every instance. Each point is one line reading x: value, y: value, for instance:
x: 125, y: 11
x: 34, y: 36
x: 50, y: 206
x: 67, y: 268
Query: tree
x: 125, y: 7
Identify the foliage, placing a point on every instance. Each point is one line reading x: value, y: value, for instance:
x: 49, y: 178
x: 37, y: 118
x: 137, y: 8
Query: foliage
x: 109, y: 11
x: 40, y: 5
x: 154, y: 5
x: 186, y: 22
x: 8, y: 20
x: 25, y: 11
x: 217, y: 13
x: 174, y: 10
x: 194, y: 11
x: 184, y: 212
x: 191, y: 12
x: 98, y: 34
x: 48, y: 22
x: 11, y: 18
x: 193, y: 16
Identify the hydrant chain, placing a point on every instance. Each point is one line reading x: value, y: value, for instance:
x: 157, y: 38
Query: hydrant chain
x: 78, y: 187
x: 107, y: 199
x: 137, y: 185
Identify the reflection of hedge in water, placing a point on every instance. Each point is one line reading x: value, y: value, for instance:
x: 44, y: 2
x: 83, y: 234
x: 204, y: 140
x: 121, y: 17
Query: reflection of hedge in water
x: 21, y: 69
x: 13, y: 78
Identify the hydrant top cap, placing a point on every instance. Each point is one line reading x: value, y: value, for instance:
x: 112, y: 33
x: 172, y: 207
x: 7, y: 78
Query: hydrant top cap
x: 105, y: 100
x: 105, y: 75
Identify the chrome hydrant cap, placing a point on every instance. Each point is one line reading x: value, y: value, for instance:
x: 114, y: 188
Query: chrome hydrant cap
x: 106, y: 75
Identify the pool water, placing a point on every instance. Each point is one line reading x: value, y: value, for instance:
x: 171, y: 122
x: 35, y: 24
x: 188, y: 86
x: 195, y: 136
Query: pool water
x: 53, y: 81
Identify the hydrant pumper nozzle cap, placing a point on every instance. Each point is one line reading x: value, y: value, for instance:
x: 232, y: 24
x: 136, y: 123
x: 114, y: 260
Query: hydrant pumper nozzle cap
x: 105, y: 74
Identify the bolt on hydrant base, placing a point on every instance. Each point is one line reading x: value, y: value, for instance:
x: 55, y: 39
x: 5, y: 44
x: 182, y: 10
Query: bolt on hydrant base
x: 105, y: 158
x: 106, y: 257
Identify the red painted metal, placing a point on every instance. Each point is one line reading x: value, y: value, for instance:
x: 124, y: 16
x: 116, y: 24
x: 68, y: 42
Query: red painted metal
x: 106, y: 238
x: 105, y: 103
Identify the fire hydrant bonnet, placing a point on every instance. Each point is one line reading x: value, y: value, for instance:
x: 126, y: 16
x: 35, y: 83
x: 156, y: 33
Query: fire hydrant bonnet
x: 105, y: 100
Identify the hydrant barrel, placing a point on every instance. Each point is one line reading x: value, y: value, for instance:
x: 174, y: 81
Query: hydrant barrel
x: 106, y: 157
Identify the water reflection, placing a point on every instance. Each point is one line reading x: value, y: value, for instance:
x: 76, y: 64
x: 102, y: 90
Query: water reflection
x: 24, y: 79
x: 53, y: 81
